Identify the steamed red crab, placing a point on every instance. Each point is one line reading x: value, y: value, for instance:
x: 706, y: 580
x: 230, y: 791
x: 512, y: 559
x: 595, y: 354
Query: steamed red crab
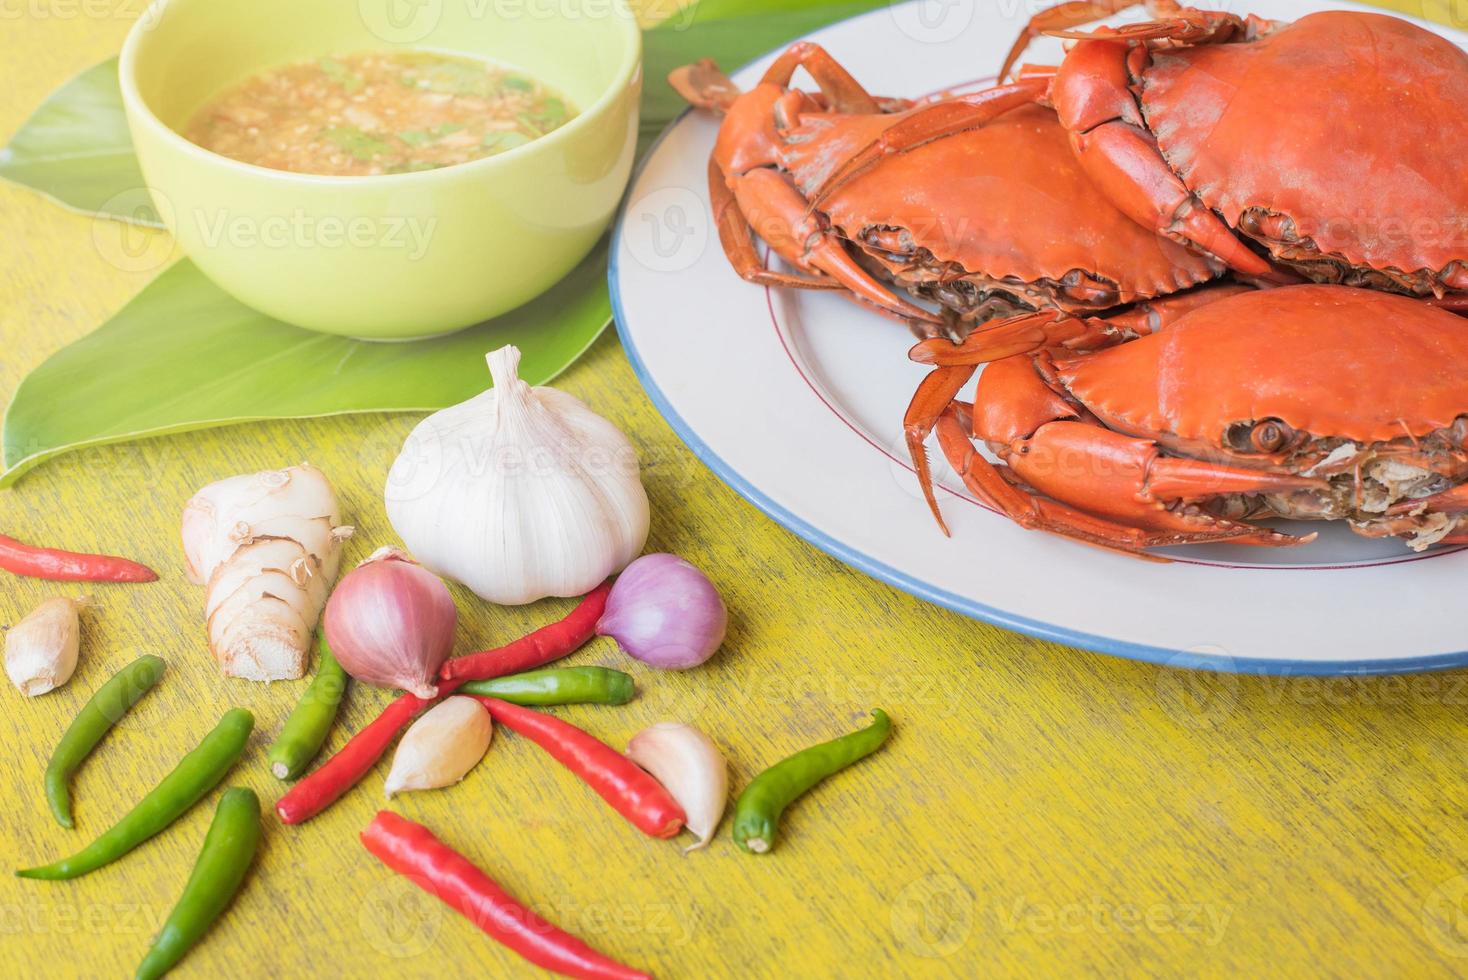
x: 995, y: 220
x: 1315, y: 402
x: 1334, y: 146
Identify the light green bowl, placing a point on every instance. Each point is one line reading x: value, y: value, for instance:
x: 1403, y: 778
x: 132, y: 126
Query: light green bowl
x: 405, y: 255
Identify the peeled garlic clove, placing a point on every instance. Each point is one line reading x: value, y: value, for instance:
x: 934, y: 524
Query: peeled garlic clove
x: 690, y: 767
x: 41, y: 650
x: 441, y: 747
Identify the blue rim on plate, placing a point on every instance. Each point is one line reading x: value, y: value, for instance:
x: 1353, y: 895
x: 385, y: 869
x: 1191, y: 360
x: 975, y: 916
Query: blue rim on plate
x: 1182, y: 659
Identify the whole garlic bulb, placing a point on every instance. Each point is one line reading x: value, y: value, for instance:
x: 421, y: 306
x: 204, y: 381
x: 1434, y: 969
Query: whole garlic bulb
x: 519, y: 493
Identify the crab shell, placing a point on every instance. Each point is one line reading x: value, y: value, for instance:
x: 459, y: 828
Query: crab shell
x: 1330, y: 362
x: 1007, y: 204
x: 1339, y: 141
x: 1316, y: 402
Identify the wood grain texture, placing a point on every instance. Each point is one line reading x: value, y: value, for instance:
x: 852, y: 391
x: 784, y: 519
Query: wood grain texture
x: 1039, y: 810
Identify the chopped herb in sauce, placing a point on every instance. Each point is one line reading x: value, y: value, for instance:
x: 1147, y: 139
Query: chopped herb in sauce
x: 377, y: 113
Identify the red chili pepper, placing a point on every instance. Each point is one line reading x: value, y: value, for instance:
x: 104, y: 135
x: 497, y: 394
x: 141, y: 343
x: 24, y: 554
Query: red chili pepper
x: 620, y: 781
x: 534, y: 649
x: 412, y: 849
x: 351, y: 762
x: 69, y: 566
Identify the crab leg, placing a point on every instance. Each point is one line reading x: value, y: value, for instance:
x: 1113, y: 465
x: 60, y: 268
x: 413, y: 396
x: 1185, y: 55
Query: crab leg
x: 933, y: 121
x: 957, y: 363
x: 1015, y: 335
x: 1030, y: 332
x: 1452, y: 501
x: 748, y: 195
x: 843, y: 92
x: 703, y: 85
x: 1170, y: 22
x: 933, y: 397
x: 1151, y: 316
x: 1453, y: 302
x: 734, y: 235
x: 1078, y: 12
x: 1003, y: 339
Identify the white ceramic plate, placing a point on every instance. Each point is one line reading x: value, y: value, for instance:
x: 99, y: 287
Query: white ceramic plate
x: 796, y: 399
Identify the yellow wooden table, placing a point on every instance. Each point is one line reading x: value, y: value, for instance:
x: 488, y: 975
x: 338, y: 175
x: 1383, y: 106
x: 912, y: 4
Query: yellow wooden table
x: 1039, y: 810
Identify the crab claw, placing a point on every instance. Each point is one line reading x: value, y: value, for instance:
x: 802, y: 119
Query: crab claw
x: 1009, y: 337
x: 1174, y: 477
x: 1452, y: 501
x: 1132, y: 528
x: 776, y: 211
x: 703, y: 85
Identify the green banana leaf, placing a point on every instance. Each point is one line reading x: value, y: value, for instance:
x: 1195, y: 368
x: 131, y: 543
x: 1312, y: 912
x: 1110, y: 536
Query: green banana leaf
x: 183, y: 355
x: 76, y: 150
x: 196, y: 357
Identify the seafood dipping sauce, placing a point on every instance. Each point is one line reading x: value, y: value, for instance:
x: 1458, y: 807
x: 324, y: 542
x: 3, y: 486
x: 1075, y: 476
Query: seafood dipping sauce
x: 377, y: 112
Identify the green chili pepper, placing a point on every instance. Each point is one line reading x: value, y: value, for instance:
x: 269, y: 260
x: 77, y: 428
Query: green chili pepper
x: 757, y: 812
x: 565, y: 685
x: 197, y: 773
x: 110, y: 703
x: 305, y: 731
x: 228, y: 849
